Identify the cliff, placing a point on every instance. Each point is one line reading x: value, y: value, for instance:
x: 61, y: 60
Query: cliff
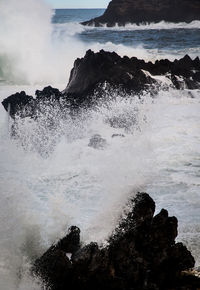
x: 137, y: 11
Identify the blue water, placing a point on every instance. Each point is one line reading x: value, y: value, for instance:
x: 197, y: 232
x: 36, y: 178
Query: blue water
x: 41, y: 197
x: 75, y: 15
x: 177, y: 39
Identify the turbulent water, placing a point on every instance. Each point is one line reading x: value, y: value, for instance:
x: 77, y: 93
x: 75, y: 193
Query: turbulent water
x: 51, y: 179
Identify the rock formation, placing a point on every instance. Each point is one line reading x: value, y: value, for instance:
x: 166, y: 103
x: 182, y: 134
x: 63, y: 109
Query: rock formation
x: 22, y: 105
x: 129, y: 74
x: 97, y: 71
x: 141, y: 254
x: 137, y: 11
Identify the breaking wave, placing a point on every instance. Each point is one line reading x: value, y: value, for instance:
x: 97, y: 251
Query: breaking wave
x: 33, y: 50
x: 51, y: 178
x: 157, y: 26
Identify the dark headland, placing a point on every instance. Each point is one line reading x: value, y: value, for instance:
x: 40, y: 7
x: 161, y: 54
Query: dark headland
x: 138, y: 11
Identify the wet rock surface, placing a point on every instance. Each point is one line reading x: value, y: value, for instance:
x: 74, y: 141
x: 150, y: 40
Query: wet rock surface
x: 22, y: 105
x: 95, y: 76
x: 130, y: 74
x: 122, y: 12
x: 141, y: 254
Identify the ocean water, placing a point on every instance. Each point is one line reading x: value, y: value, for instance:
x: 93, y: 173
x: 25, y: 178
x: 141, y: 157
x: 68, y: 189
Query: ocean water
x: 51, y: 179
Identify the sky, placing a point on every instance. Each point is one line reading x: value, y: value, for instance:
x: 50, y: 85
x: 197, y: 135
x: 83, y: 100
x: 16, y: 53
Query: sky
x: 79, y: 3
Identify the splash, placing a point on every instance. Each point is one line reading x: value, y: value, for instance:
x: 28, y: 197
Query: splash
x: 78, y: 184
x: 30, y: 51
x: 70, y: 182
x: 73, y: 184
x: 35, y: 51
x: 25, y: 34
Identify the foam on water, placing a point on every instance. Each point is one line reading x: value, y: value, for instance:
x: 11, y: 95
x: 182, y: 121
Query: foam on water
x: 35, y: 51
x: 149, y: 26
x: 50, y: 178
x: 41, y: 195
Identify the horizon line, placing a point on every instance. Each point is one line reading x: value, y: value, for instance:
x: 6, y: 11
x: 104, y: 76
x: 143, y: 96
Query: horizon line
x: 78, y: 8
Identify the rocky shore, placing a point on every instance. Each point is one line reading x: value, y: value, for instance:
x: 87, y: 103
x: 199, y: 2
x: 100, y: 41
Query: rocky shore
x: 96, y: 73
x: 141, y: 254
x: 122, y: 12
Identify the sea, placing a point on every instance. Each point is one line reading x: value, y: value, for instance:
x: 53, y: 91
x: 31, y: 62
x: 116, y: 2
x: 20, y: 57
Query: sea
x: 51, y: 179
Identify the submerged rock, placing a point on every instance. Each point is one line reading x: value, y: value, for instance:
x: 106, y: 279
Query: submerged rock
x: 122, y: 12
x: 97, y: 142
x: 141, y: 254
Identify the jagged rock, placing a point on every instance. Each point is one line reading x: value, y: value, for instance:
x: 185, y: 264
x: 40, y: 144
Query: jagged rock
x: 19, y: 104
x: 122, y: 12
x: 55, y: 266
x: 70, y: 243
x: 95, y: 76
x: 48, y: 93
x: 141, y: 254
x: 129, y: 74
x: 105, y: 67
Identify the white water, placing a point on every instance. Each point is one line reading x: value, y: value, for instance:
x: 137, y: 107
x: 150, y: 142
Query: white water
x: 76, y: 184
x: 42, y: 194
x: 160, y: 25
x: 33, y: 51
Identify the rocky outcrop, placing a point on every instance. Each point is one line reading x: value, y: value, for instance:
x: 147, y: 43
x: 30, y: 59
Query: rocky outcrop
x: 141, y: 254
x: 96, y: 69
x: 122, y: 12
x: 19, y: 103
x: 22, y: 105
x: 129, y: 74
x: 97, y: 73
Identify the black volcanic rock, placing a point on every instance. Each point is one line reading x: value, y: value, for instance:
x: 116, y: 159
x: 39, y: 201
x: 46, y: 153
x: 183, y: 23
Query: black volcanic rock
x: 97, y: 68
x: 18, y: 104
x: 137, y: 11
x: 141, y: 254
x: 48, y: 93
x: 129, y: 74
x: 96, y: 75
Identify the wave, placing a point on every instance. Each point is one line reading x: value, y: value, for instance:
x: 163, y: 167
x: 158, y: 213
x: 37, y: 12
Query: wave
x: 77, y: 184
x: 68, y: 29
x: 162, y: 25
x: 39, y: 52
x: 51, y: 179
x: 36, y: 51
